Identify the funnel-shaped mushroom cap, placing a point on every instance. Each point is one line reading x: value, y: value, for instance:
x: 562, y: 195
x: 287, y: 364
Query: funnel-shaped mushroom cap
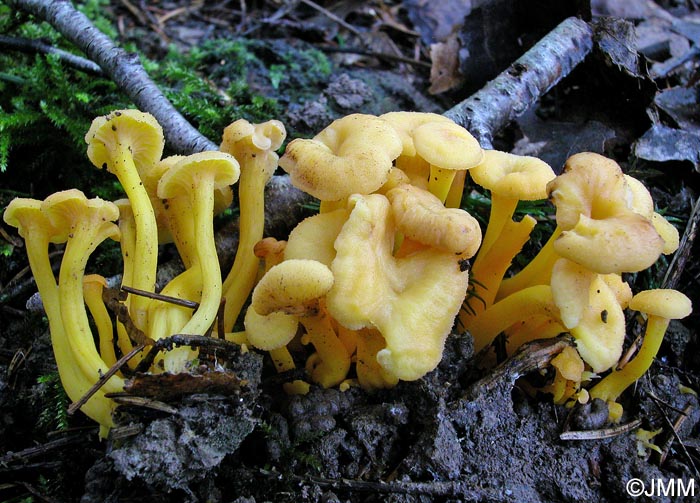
x: 628, y: 243
x: 137, y: 131
x: 266, y: 136
x: 25, y: 215
x: 591, y: 185
x: 180, y: 178
x: 422, y: 217
x: 67, y: 207
x: 353, y: 155
x: 664, y: 303
x: 292, y: 287
x: 447, y: 145
x: 601, y: 230
x: 513, y: 176
x: 405, y: 123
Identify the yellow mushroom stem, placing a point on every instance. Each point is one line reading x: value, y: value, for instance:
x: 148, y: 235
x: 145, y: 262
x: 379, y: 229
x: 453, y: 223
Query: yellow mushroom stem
x: 37, y: 231
x: 127, y: 243
x: 86, y: 234
x: 537, y: 272
x: 489, y: 268
x: 199, y: 176
x: 660, y: 306
x: 440, y: 181
x: 145, y: 256
x: 254, y: 147
x: 612, y: 386
x: 203, y: 208
x: 454, y: 196
x: 330, y: 364
x: 532, y: 301
x: 93, y: 284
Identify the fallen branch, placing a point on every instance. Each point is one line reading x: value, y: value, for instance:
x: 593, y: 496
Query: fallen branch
x: 122, y: 67
x: 30, y: 46
x: 519, y: 87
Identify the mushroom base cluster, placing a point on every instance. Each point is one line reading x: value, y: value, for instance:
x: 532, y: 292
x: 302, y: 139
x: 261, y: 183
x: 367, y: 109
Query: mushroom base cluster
x: 366, y: 291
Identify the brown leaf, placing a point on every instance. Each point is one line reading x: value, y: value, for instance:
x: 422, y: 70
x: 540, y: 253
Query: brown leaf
x: 444, y: 72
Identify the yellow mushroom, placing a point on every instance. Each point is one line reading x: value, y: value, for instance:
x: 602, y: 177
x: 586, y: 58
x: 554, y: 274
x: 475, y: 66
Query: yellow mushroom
x: 661, y: 306
x: 509, y: 178
x: 298, y: 287
x: 412, y: 301
x: 37, y: 231
x: 128, y: 143
x: 354, y: 154
x: 405, y: 123
x: 253, y: 146
x: 596, y: 226
x: 88, y: 222
x: 199, y: 175
x: 448, y: 148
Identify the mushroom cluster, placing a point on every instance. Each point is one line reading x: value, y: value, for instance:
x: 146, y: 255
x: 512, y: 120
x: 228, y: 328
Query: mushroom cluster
x: 366, y: 291
x: 172, y: 199
x: 375, y: 280
x: 606, y: 226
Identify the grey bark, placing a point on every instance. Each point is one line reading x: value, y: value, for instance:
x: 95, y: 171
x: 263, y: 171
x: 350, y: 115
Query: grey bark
x: 122, y: 67
x: 518, y: 88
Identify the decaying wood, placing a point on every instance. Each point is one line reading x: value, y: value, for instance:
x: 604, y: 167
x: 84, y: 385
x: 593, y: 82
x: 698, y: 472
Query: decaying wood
x: 534, y: 355
x: 172, y: 386
x: 122, y: 67
x: 515, y: 90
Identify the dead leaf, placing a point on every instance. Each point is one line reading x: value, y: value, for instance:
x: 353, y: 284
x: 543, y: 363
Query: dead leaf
x: 444, y: 72
x: 662, y: 143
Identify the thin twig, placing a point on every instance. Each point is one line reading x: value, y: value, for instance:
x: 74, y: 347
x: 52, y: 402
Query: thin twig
x: 332, y: 17
x: 164, y: 298
x: 378, y: 55
x: 451, y: 488
x: 39, y: 450
x: 31, y: 46
x: 657, y: 403
x: 682, y: 416
x: 103, y: 379
x: 112, y: 298
x: 684, y: 252
x: 600, y: 434
x: 531, y: 356
x: 194, y: 341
